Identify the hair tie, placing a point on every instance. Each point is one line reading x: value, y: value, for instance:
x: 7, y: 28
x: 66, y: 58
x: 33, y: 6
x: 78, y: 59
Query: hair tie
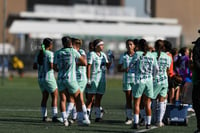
x: 179, y: 54
x: 43, y: 47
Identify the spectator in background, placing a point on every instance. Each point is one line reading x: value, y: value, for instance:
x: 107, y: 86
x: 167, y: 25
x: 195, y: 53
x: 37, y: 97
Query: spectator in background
x: 111, y: 58
x: 4, y: 65
x: 18, y: 65
x: 173, y: 79
x: 182, y: 64
x: 174, y: 53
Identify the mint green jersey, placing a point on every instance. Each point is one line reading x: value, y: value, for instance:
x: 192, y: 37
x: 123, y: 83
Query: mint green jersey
x: 66, y: 64
x: 56, y: 61
x: 125, y: 60
x: 81, y: 70
x: 146, y: 66
x: 164, y: 62
x: 45, y: 73
x: 98, y: 66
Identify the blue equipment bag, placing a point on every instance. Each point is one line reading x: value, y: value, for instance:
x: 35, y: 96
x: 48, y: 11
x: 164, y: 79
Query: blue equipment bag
x: 176, y: 114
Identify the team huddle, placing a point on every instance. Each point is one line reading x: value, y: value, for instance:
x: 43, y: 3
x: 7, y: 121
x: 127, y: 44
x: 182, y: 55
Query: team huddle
x: 70, y: 62
x: 150, y: 78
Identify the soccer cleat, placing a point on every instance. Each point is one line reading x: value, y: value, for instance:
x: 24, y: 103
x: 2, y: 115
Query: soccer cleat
x: 89, y: 115
x: 135, y: 126
x: 84, y: 123
x: 102, y: 112
x: 55, y: 119
x: 98, y: 119
x: 128, y: 121
x: 160, y: 124
x: 190, y: 109
x: 142, y: 122
x: 72, y: 121
x: 148, y: 126
x: 66, y: 123
x: 46, y: 119
x: 60, y: 119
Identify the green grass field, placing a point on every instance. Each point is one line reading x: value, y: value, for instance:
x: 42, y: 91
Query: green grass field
x: 20, y: 111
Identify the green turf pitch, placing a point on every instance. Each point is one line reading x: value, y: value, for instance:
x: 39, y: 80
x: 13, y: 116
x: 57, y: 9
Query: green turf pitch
x: 20, y: 111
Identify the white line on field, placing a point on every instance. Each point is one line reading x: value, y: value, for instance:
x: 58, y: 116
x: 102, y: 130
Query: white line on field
x: 145, y: 130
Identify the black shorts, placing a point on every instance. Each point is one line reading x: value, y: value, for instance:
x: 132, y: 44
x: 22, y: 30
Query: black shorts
x: 173, y: 83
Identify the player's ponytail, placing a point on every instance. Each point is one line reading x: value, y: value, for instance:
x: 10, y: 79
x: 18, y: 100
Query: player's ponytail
x: 91, y: 46
x: 143, y: 46
x: 159, y: 46
x: 46, y: 43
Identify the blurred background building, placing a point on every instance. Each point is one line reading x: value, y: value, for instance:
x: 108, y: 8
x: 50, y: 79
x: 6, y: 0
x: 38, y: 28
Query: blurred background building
x: 29, y: 21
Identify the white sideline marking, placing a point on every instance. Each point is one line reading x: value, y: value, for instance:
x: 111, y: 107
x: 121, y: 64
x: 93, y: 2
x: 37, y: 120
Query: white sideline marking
x: 145, y: 130
x: 154, y: 127
x: 37, y: 110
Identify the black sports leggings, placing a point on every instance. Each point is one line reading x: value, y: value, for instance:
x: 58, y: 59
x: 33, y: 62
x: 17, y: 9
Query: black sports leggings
x: 196, y: 102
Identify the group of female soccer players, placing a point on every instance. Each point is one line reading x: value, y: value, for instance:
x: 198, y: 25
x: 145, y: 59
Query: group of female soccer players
x: 75, y: 72
x: 150, y: 78
x: 146, y: 79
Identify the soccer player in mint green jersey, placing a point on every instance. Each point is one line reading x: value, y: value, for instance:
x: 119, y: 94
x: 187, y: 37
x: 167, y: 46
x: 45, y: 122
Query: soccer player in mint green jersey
x: 128, y: 77
x: 160, y: 82
x: 59, y: 70
x: 91, y: 48
x: 96, y: 74
x: 61, y: 87
x: 44, y: 64
x: 81, y: 80
x: 146, y: 66
x: 80, y: 70
x: 66, y: 64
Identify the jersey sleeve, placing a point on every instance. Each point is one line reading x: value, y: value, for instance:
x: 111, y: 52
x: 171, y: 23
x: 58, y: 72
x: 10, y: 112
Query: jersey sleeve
x: 135, y: 58
x: 169, y: 61
x: 50, y: 57
x: 76, y: 54
x: 82, y: 52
